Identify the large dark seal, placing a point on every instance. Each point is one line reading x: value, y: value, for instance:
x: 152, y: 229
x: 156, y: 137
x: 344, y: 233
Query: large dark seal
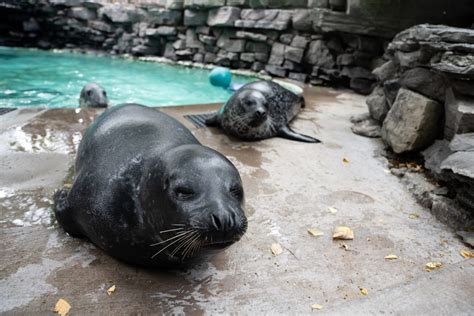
x: 93, y: 96
x: 148, y: 193
x: 260, y: 110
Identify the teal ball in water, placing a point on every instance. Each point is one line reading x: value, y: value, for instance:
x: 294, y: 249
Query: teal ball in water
x: 220, y: 77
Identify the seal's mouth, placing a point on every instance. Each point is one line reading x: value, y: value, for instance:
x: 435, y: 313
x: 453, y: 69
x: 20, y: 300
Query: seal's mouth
x: 221, y: 244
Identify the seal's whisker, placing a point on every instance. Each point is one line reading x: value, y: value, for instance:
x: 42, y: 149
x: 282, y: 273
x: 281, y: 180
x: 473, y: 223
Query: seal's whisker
x: 178, y: 225
x: 183, y: 243
x: 163, y: 249
x: 171, y: 238
x: 190, y: 245
x: 171, y: 230
x: 197, y: 247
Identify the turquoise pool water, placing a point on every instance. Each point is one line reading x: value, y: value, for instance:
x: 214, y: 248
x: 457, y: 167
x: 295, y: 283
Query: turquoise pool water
x: 33, y: 78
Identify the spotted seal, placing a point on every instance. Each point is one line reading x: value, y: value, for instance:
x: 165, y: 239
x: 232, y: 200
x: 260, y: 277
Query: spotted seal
x: 260, y: 110
x: 93, y: 96
x: 148, y: 193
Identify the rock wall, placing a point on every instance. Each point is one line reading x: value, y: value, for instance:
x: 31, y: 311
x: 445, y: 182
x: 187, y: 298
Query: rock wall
x: 424, y: 101
x: 316, y: 41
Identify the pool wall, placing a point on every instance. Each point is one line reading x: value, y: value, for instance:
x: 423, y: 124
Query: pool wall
x: 336, y: 42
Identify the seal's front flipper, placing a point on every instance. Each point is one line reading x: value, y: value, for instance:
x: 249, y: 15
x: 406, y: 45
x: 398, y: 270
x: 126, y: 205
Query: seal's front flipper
x: 287, y: 133
x: 63, y: 214
x: 213, y: 120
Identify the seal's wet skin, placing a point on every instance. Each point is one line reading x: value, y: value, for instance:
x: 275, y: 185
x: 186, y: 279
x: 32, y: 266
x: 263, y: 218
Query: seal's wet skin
x: 261, y: 110
x: 148, y: 193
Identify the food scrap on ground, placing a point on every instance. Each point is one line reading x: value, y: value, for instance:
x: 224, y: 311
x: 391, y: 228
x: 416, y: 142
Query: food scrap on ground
x: 391, y: 257
x: 277, y: 249
x: 111, y: 290
x: 316, y: 306
x: 62, y: 307
x: 430, y: 266
x: 314, y: 232
x: 343, y: 233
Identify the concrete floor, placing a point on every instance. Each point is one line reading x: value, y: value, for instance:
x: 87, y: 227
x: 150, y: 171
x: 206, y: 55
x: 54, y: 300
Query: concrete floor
x: 289, y: 188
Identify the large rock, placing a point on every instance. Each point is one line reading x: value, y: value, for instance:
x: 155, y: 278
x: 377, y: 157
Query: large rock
x: 251, y: 36
x: 121, y: 13
x: 260, y: 48
x: 378, y: 107
x: 195, y: 17
x: 192, y: 40
x: 319, y: 55
x: 435, y: 155
x: 386, y: 71
x: 294, y: 54
x: 82, y: 13
x: 277, y: 3
x: 264, y: 19
x: 424, y: 81
x: 161, y: 16
x: 277, y: 55
x: 230, y: 45
x: 224, y: 16
x: 202, y: 4
x: 301, y: 20
x: 237, y: 3
x: 412, y: 123
x: 459, y: 112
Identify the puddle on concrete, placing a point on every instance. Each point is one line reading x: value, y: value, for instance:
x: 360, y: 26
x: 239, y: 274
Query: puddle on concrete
x: 25, y: 209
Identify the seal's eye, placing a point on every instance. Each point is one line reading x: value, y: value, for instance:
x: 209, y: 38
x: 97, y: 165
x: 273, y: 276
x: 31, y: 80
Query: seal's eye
x: 236, y: 190
x: 183, y: 193
x: 89, y: 92
x: 104, y: 93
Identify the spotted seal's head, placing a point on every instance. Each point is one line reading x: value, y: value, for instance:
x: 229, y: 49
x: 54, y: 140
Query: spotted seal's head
x: 94, y: 96
x: 196, y: 197
x: 246, y: 115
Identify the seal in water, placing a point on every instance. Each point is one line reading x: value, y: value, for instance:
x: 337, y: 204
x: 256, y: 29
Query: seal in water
x: 93, y: 96
x: 260, y: 110
x: 148, y: 193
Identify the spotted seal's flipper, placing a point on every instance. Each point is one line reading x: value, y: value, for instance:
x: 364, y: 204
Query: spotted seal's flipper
x: 63, y: 213
x: 287, y: 133
x: 213, y: 120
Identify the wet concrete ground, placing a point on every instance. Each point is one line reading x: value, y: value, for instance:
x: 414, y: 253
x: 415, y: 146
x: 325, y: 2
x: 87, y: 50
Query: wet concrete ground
x: 289, y: 188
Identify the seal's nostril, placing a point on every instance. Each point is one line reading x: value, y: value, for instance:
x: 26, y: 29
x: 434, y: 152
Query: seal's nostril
x: 216, y: 222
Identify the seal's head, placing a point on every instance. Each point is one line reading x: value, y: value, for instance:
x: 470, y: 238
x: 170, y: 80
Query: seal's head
x: 196, y: 201
x: 93, y: 95
x: 246, y: 114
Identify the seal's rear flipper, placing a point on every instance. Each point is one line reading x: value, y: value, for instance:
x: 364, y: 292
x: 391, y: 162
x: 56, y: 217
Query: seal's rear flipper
x: 63, y: 214
x: 213, y: 120
x: 287, y: 133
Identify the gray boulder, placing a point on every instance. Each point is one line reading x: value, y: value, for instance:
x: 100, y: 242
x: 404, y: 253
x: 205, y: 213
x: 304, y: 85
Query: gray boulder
x: 459, y: 113
x: 264, y: 19
x: 367, y: 128
x: 203, y: 4
x: 230, y: 45
x: 251, y: 36
x: 378, y: 107
x: 435, y: 155
x: 294, y: 54
x: 195, y: 17
x: 385, y: 72
x: 299, y: 41
x: 429, y: 83
x: 82, y: 13
x: 319, y: 55
x: 161, y: 16
x: 277, y: 55
x: 122, y: 13
x: 301, y: 20
x: 224, y: 16
x: 412, y: 123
